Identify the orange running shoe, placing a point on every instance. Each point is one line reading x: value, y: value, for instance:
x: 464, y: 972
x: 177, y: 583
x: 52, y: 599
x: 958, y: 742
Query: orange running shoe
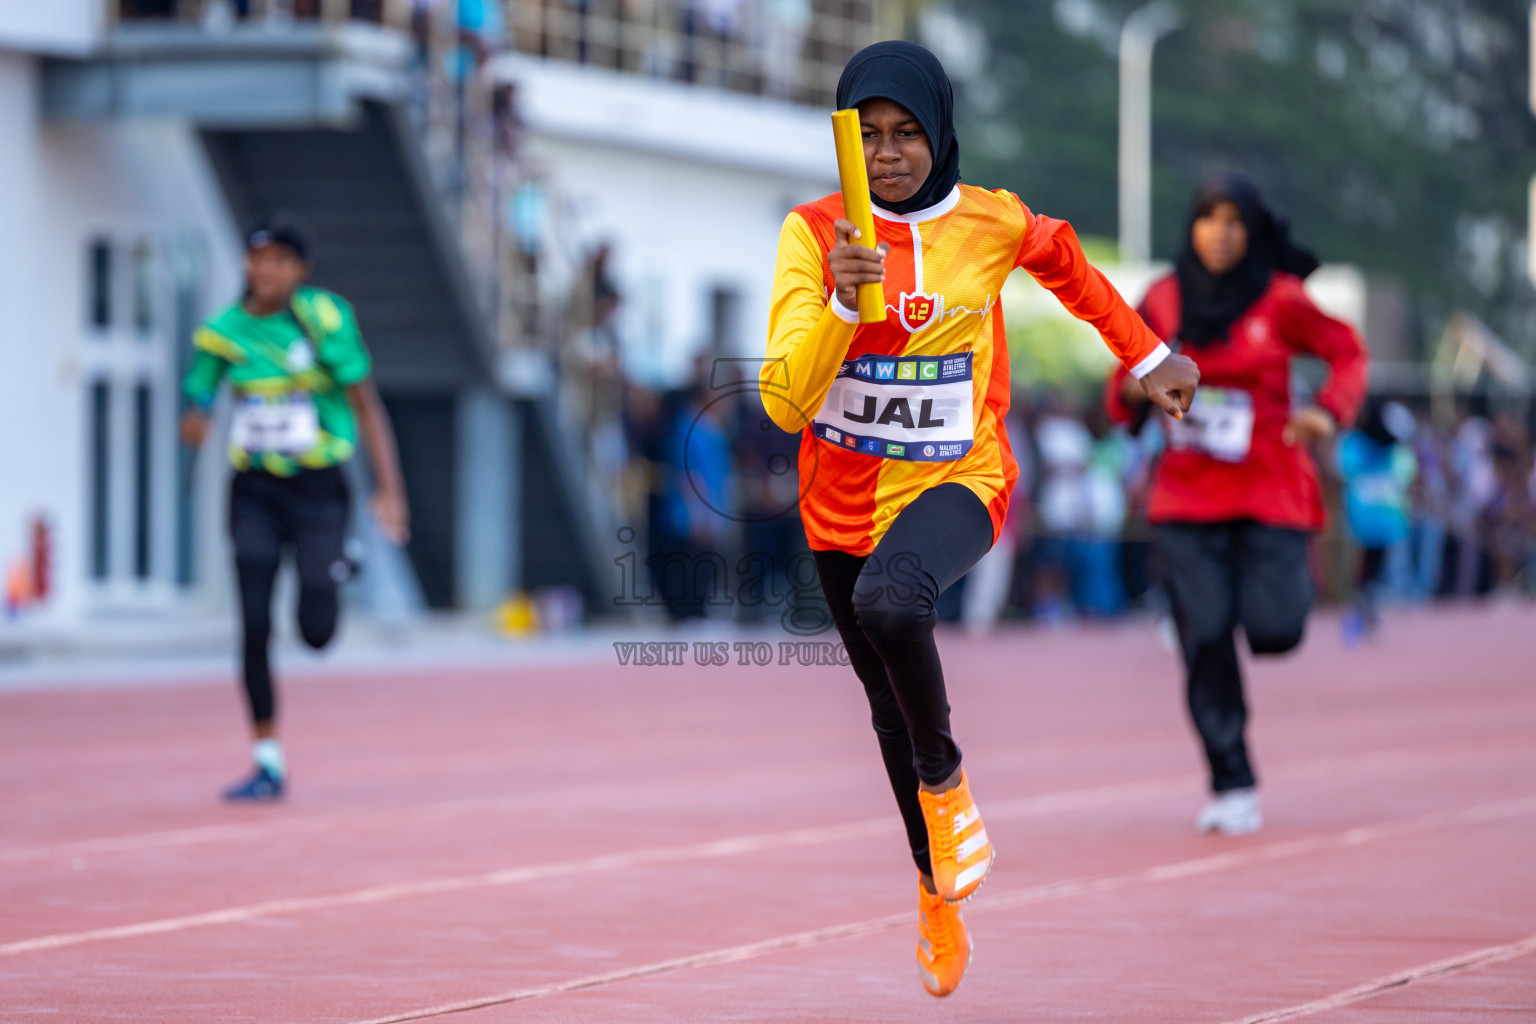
x: 943, y: 947
x: 957, y: 841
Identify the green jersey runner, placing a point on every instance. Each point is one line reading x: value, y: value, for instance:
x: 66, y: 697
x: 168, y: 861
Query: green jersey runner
x: 288, y: 373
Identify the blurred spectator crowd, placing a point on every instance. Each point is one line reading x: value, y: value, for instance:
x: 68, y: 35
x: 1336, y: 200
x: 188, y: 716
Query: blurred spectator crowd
x: 1419, y: 511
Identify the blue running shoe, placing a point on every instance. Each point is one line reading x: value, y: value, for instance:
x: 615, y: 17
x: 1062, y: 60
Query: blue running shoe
x: 1353, y: 628
x: 264, y: 784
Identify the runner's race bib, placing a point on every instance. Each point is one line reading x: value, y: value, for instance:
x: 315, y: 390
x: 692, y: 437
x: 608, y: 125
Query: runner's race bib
x: 1219, y: 424
x: 916, y: 408
x: 285, y: 424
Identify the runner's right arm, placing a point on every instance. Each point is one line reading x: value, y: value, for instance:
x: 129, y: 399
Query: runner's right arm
x: 808, y: 334
x: 211, y: 358
x: 1052, y: 255
x: 1124, y: 398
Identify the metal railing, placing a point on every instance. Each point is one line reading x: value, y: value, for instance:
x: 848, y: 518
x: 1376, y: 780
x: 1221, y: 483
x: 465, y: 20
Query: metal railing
x: 792, y: 49
x: 394, y: 13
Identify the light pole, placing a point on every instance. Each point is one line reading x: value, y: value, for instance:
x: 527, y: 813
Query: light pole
x: 1140, y: 33
x: 1530, y: 230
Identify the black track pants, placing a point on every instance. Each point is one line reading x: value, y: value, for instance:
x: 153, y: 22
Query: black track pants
x: 883, y: 604
x: 308, y: 514
x: 1221, y: 576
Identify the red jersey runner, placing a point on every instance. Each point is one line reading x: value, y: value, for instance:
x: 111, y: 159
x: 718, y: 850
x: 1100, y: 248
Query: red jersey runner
x: 1271, y: 482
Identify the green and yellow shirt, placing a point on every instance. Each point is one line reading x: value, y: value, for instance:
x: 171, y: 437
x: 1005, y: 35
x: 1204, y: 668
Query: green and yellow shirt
x: 289, y: 373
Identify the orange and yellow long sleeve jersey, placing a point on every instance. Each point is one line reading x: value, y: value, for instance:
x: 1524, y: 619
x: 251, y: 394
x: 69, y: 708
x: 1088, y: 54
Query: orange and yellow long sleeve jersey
x: 888, y: 410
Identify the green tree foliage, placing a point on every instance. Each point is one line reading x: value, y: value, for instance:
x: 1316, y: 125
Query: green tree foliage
x: 1395, y: 134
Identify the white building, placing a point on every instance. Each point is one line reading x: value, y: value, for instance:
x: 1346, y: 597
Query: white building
x: 118, y: 239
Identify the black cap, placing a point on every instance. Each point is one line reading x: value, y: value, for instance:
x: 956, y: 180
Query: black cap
x: 280, y: 229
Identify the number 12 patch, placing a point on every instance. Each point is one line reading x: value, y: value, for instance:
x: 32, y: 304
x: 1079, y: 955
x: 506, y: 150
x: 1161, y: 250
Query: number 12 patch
x: 919, y: 309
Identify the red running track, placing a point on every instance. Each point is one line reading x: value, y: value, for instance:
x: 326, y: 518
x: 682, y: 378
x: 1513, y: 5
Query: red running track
x: 596, y: 843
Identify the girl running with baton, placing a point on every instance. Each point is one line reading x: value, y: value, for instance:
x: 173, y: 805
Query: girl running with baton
x: 904, y: 464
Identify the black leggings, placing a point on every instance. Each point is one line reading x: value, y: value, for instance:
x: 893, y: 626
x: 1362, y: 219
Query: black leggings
x: 1221, y: 576
x: 1373, y: 562
x: 307, y: 512
x: 882, y: 604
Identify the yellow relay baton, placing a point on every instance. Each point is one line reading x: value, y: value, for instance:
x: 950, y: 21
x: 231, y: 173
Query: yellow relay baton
x: 855, y: 181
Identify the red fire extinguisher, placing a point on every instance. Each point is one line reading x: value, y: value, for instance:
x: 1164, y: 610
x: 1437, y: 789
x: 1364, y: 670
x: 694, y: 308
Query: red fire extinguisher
x: 42, y: 558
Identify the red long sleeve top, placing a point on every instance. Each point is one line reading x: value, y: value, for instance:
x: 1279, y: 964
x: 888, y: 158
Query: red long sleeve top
x: 1274, y: 483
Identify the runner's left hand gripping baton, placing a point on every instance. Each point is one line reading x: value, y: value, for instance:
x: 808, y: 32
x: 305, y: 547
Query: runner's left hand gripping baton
x: 855, y: 181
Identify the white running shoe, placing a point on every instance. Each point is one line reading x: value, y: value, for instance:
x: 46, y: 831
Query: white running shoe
x: 1233, y: 813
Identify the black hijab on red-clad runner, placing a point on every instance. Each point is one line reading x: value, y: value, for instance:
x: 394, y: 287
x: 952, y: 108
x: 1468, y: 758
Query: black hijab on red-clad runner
x: 1212, y: 302
x: 910, y: 75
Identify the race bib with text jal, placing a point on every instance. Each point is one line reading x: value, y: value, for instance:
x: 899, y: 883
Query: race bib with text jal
x: 916, y: 408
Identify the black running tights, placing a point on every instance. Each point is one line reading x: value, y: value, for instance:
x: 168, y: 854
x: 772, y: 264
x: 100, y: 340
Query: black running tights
x: 307, y: 513
x: 883, y: 606
x: 1221, y: 576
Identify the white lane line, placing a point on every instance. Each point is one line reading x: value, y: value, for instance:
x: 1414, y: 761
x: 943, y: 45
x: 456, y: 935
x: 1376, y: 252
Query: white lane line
x: 729, y: 955
x: 1495, y: 811
x: 1359, y: 835
x: 246, y: 832
x: 423, y: 814
x: 1051, y: 803
x: 346, y: 821
x: 350, y: 821
x: 460, y: 883
x: 1026, y: 807
x: 1392, y: 982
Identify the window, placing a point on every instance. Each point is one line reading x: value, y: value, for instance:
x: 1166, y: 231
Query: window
x: 143, y: 423
x: 183, y: 265
x: 100, y: 284
x: 141, y: 297
x: 143, y: 289
x: 100, y: 440
x: 724, y: 312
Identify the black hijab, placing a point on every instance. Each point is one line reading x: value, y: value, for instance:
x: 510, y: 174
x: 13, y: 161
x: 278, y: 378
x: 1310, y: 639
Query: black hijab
x: 907, y: 74
x: 1211, y: 302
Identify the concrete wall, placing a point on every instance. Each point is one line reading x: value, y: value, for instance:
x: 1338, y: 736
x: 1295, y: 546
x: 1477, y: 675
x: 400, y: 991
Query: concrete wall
x: 51, y: 26
x: 34, y: 404
x: 61, y: 187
